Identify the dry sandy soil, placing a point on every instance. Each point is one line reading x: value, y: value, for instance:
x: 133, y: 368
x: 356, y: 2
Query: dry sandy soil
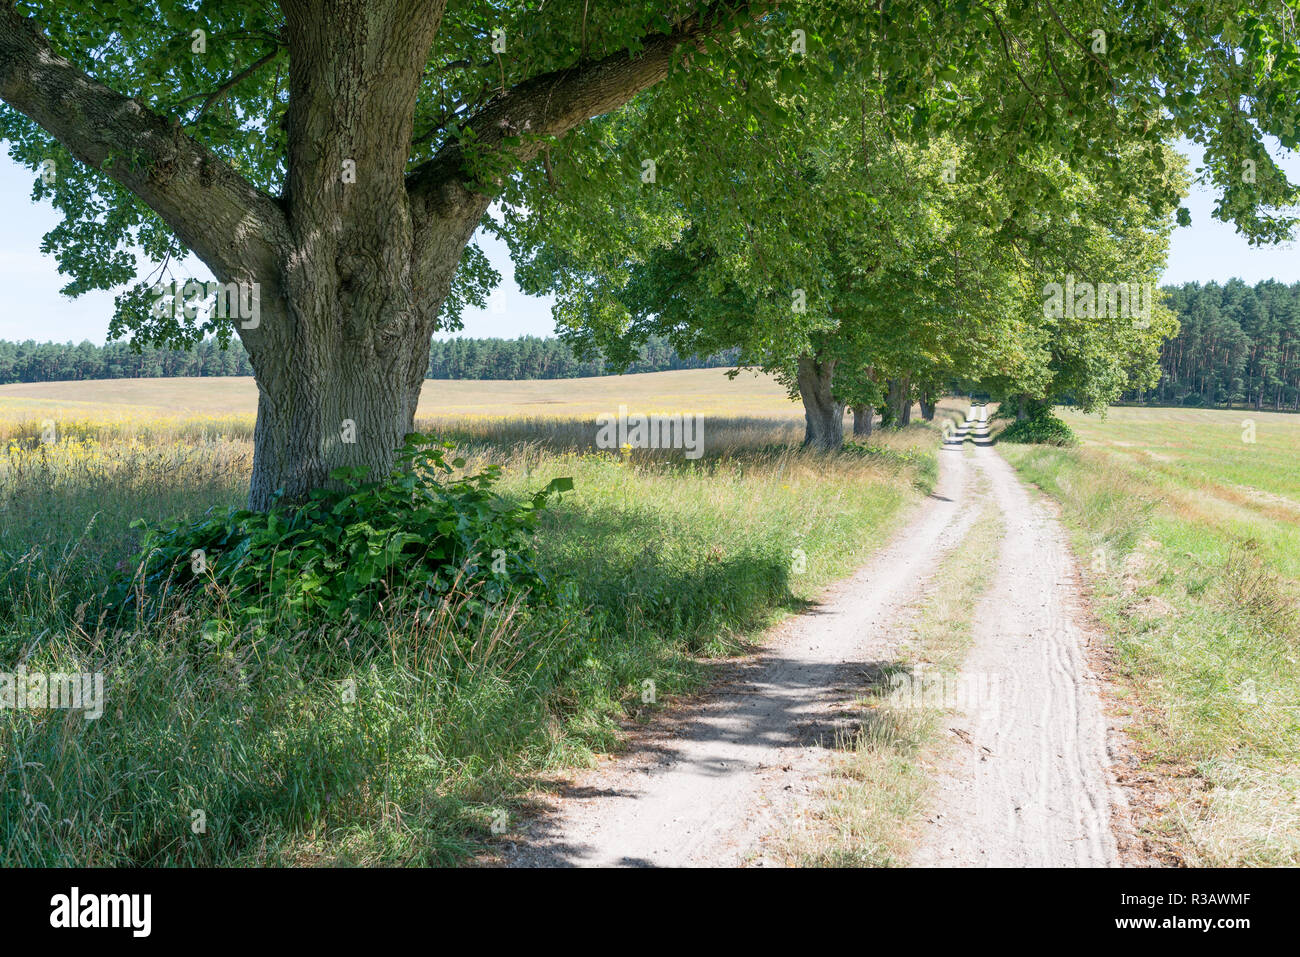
x: 1031, y: 787
x: 706, y: 783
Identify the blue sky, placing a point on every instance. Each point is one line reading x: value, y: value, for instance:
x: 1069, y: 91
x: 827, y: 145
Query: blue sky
x: 1207, y: 250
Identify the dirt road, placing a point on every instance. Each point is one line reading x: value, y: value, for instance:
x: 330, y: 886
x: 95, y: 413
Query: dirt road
x: 1029, y: 786
x: 704, y: 784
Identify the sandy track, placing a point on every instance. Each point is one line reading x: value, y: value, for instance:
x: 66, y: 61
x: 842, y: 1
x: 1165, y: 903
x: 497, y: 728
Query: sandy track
x: 704, y: 783
x: 1030, y: 783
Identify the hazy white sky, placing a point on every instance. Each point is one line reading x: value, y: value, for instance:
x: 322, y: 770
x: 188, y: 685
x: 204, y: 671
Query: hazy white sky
x: 1207, y: 250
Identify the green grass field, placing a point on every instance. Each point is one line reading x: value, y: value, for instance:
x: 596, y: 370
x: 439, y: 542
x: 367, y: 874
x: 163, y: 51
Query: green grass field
x: 676, y: 563
x: 1186, y: 530
x: 1187, y: 524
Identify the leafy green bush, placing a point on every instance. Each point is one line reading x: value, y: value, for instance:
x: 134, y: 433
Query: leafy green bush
x: 412, y: 537
x: 1041, y: 427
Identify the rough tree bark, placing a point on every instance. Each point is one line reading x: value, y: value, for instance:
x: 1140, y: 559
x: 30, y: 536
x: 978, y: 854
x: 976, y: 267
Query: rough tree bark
x: 352, y: 275
x: 899, y: 398
x: 823, y: 414
x: 862, y: 419
x: 928, y: 404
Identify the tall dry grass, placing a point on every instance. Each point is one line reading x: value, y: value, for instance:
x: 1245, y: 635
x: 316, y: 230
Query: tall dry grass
x: 1203, y: 608
x: 673, y: 561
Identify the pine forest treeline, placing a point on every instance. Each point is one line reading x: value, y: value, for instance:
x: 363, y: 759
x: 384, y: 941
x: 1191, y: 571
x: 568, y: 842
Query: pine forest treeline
x: 1237, y: 345
x: 527, y: 357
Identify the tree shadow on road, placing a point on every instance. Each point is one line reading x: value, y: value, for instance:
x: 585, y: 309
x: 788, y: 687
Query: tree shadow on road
x: 754, y: 714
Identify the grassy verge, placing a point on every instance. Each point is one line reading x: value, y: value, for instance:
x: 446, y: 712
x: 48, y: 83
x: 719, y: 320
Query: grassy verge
x: 270, y: 746
x: 1194, y: 576
x: 868, y: 807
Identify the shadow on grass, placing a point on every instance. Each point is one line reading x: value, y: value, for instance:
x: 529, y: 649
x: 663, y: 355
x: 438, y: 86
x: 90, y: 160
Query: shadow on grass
x: 637, y: 575
x: 249, y: 728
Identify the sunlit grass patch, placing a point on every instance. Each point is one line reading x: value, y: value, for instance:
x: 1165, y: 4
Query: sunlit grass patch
x: 1201, y: 594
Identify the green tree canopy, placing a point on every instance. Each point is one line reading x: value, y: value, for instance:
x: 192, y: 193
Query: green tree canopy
x: 339, y: 156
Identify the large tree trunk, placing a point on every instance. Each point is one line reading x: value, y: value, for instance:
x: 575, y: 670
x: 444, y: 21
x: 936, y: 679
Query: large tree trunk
x: 823, y: 415
x: 373, y: 255
x: 354, y: 260
x: 863, y: 416
x: 343, y: 351
x: 335, y: 404
x: 899, y: 399
x: 339, y: 373
x: 928, y: 404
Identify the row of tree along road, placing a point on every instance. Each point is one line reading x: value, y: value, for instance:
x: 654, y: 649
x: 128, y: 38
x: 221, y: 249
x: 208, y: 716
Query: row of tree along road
x: 866, y: 200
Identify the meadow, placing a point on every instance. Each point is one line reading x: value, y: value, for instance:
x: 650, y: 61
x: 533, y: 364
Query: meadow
x: 1187, y: 525
x: 708, y: 390
x: 237, y: 745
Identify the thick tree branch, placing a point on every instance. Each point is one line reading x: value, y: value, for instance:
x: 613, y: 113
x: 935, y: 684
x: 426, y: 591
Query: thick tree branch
x: 446, y: 208
x: 557, y: 102
x: 231, y: 225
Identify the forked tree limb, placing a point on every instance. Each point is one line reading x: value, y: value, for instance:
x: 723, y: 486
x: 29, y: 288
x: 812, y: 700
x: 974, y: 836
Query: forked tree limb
x: 554, y: 103
x: 230, y: 224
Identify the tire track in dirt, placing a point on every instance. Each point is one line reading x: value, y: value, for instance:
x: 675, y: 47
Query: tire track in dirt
x: 706, y: 781
x: 1031, y: 785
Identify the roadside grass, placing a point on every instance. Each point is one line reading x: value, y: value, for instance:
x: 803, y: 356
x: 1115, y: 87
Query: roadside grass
x: 267, y: 746
x: 1182, y: 530
x: 868, y: 809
